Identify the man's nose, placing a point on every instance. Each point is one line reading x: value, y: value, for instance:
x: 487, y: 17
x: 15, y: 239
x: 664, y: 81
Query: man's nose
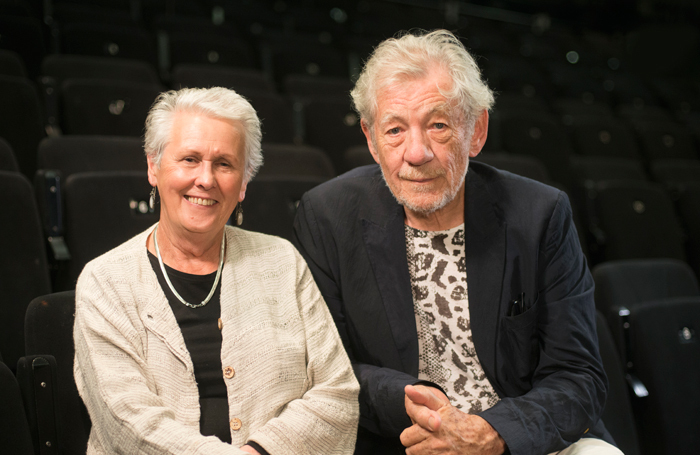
x: 418, y: 151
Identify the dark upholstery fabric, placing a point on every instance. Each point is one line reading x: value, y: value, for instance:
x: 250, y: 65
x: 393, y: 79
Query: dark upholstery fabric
x: 24, y: 268
x: 49, y: 334
x: 617, y: 414
x: 14, y: 430
x: 664, y: 346
x: 103, y: 210
x: 632, y: 282
x: 74, y: 154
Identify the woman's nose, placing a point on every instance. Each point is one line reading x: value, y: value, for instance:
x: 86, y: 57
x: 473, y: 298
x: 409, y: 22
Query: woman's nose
x: 205, y: 176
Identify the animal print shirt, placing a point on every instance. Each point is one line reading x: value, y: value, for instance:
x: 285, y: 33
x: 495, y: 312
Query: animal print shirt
x: 446, y: 353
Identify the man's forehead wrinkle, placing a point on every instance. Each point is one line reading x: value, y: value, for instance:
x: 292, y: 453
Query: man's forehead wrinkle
x: 440, y: 109
x: 443, y: 108
x: 389, y: 116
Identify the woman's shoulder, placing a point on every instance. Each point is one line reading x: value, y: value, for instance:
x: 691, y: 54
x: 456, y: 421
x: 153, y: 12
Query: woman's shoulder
x: 255, y: 240
x: 121, y: 257
x: 259, y: 247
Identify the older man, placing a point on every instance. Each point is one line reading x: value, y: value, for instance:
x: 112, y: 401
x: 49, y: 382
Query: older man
x: 462, y: 298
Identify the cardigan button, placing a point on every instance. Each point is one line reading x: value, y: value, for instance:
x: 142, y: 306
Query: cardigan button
x: 229, y: 372
x: 236, y: 424
x: 221, y: 324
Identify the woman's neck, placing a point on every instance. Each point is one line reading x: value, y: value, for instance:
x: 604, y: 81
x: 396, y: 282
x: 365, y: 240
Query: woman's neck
x: 193, y: 253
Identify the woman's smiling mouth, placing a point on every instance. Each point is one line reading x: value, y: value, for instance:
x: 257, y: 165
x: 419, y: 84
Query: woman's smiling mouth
x: 200, y: 201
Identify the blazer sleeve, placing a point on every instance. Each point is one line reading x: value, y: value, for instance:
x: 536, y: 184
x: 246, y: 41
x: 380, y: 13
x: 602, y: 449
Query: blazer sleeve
x: 112, y: 377
x: 324, y: 419
x: 569, y: 385
x: 382, y: 409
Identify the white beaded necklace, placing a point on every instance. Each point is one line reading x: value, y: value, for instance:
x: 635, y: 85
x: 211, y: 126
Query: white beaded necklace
x: 170, y: 285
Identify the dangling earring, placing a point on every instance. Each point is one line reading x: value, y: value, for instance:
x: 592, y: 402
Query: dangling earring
x: 152, y: 199
x: 239, y: 214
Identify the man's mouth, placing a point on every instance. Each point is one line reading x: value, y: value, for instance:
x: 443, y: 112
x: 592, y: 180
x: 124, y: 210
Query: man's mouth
x: 416, y: 176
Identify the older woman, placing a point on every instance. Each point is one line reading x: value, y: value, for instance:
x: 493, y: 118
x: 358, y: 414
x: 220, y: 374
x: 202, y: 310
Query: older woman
x: 199, y: 338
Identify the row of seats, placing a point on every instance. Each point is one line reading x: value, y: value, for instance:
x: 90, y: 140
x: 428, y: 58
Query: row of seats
x: 647, y: 320
x: 253, y: 35
x: 619, y: 209
x: 318, y: 112
x: 93, y: 192
x: 507, y: 73
x: 108, y: 107
x: 52, y: 235
x: 622, y: 214
x: 559, y: 93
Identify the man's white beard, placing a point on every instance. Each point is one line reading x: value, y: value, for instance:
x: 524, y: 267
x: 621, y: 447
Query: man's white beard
x: 447, y: 197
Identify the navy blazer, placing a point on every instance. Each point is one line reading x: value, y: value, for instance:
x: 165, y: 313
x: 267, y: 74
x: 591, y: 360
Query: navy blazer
x: 519, y: 238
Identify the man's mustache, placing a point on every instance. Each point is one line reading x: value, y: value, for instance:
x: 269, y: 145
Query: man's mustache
x: 416, y: 173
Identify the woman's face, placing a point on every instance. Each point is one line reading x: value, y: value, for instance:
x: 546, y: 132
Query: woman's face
x: 201, y: 175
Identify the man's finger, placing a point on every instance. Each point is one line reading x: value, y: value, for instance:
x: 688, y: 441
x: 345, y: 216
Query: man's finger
x: 425, y: 396
x: 413, y: 435
x: 423, y: 416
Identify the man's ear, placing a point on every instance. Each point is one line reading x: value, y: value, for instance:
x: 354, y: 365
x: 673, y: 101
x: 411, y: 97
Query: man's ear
x: 152, y: 167
x: 481, y: 131
x: 368, y: 135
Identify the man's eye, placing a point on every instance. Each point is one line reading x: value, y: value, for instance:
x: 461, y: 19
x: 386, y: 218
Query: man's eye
x: 440, y: 126
x: 395, y: 130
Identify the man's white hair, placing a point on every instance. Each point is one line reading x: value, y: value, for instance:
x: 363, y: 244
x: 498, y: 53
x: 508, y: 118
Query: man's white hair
x: 217, y: 102
x: 413, y: 55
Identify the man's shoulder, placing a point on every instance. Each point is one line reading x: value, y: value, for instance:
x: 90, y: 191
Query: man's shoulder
x: 512, y: 189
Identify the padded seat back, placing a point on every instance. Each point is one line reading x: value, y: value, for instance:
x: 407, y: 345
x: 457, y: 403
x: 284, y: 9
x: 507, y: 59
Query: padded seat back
x: 24, y: 267
x: 8, y: 162
x: 664, y: 349
x: 617, y: 415
x: 14, y: 430
x: 21, y: 120
x: 632, y: 282
x: 103, y: 210
x: 56, y: 411
x: 77, y: 153
x: 637, y: 220
x: 295, y: 161
x: 95, y: 106
x: 271, y: 203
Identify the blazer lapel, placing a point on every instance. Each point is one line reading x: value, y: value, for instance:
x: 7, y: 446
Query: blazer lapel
x: 485, y: 246
x: 384, y: 238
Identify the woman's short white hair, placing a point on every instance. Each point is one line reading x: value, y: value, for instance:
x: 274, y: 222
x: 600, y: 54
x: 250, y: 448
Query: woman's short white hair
x: 217, y: 102
x: 412, y: 55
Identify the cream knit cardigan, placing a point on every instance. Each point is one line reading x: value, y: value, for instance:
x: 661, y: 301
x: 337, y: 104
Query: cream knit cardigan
x: 293, y: 388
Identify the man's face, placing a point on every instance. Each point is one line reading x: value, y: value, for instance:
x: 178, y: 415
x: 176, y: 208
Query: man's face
x: 422, y: 143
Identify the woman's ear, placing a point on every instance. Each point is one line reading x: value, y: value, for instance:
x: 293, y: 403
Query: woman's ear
x: 152, y: 171
x: 241, y: 193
